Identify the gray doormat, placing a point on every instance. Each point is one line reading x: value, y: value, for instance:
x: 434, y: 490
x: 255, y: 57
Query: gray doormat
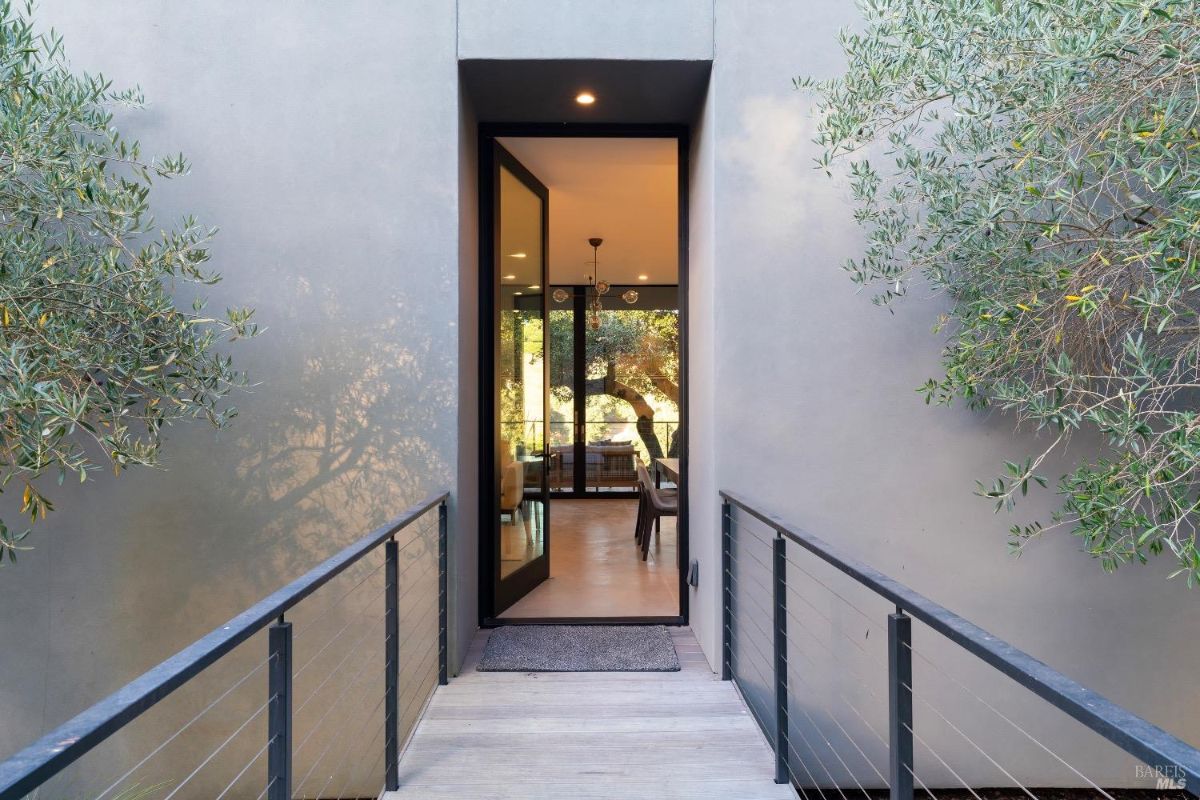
x: 579, y: 648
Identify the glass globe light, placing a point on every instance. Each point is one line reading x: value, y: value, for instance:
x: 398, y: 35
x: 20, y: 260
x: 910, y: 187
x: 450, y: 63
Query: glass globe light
x: 630, y: 296
x: 560, y: 295
x: 602, y: 287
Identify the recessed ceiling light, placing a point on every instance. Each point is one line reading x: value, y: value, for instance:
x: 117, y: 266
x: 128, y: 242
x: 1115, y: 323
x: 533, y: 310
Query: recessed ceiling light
x: 518, y: 293
x: 535, y: 287
x: 585, y: 98
x: 510, y: 277
x: 643, y: 277
x: 516, y: 255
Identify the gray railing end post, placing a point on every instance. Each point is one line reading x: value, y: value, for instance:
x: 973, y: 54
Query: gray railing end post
x: 443, y: 594
x: 279, y: 711
x: 779, y: 570
x: 726, y: 590
x: 900, y: 712
x: 391, y: 666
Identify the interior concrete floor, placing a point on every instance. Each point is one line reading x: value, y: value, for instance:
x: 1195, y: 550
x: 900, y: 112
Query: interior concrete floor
x: 595, y: 567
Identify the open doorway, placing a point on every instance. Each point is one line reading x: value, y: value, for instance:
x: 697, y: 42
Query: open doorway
x: 583, y: 335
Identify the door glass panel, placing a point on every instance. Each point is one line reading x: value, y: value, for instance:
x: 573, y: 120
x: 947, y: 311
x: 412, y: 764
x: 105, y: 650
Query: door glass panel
x: 520, y: 376
x: 562, y: 389
x: 632, y: 385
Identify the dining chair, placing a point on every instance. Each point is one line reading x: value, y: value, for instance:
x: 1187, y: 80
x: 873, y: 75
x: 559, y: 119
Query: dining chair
x: 653, y: 504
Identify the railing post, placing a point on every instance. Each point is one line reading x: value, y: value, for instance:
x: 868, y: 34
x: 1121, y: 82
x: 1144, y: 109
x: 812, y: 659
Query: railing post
x: 279, y: 711
x: 900, y: 715
x: 781, y: 682
x: 726, y: 590
x: 391, y: 699
x: 443, y: 595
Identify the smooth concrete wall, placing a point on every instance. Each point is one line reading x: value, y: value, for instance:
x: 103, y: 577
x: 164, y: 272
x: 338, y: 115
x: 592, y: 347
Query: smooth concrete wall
x: 816, y: 418
x: 569, y: 29
x: 323, y: 144
x: 704, y: 600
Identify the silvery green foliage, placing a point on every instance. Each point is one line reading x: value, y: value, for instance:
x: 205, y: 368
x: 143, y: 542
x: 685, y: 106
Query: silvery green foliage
x: 95, y: 357
x: 1042, y: 170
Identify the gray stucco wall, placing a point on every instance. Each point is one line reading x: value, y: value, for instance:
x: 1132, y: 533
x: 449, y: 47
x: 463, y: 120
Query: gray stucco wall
x: 332, y: 148
x: 569, y: 29
x: 815, y: 415
x: 323, y: 143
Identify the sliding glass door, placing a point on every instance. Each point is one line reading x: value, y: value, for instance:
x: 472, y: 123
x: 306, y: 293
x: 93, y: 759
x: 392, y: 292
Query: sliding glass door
x: 614, y: 397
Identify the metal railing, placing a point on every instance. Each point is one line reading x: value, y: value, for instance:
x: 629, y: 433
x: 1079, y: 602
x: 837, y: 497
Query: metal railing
x: 776, y: 670
x: 32, y: 767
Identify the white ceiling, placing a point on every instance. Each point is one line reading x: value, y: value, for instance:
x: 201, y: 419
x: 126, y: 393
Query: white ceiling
x: 622, y: 190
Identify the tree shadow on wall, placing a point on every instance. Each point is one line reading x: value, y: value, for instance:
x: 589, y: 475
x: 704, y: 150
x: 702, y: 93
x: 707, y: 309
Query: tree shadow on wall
x: 361, y: 425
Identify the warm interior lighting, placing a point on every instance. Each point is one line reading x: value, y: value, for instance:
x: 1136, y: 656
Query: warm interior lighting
x: 585, y: 98
x: 518, y: 293
x: 510, y: 277
x: 516, y: 255
x: 535, y: 287
x: 643, y: 277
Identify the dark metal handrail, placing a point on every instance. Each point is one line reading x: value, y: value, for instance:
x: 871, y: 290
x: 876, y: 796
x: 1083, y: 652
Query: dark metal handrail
x: 45, y: 758
x: 1123, y: 728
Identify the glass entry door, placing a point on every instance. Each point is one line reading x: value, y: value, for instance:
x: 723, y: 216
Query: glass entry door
x: 521, y: 513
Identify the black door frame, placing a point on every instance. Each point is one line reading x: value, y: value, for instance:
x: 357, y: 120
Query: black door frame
x: 488, y: 445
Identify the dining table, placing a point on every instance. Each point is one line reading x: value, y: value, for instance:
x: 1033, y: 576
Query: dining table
x: 668, y: 468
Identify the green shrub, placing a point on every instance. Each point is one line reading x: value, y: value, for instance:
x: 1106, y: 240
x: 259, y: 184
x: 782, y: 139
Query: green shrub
x: 95, y: 357
x: 1040, y: 167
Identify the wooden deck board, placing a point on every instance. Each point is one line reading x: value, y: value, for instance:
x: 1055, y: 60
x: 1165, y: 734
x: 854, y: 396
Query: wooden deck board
x: 589, y: 735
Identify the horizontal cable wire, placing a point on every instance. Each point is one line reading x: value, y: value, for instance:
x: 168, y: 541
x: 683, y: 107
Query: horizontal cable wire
x: 829, y: 744
x: 324, y: 752
x: 941, y: 760
x: 374, y: 764
x: 349, y: 652
x: 363, y: 754
x: 857, y: 644
x: 765, y: 728
x: 866, y: 685
x: 768, y: 532
x: 317, y: 725
x: 266, y: 789
x: 350, y: 742
x: 186, y: 725
x: 309, y: 623
x: 249, y: 764
x: 969, y: 740
x: 425, y: 659
x: 424, y: 667
x: 835, y: 721
x: 879, y: 627
x: 220, y: 747
x: 969, y: 692
x: 355, y: 618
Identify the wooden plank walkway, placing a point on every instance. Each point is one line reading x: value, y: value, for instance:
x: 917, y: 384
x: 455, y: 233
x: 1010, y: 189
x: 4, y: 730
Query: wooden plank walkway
x: 589, y: 736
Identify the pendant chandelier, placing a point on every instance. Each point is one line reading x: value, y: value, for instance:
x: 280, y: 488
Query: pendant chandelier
x: 600, y: 287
